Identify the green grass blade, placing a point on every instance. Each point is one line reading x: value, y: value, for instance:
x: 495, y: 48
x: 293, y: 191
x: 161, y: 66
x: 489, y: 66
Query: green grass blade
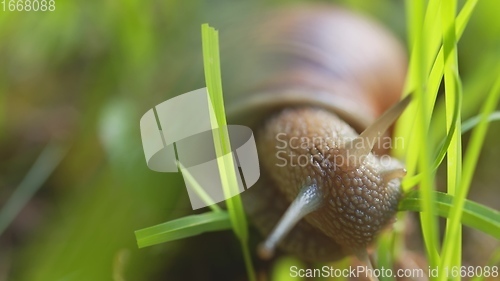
x: 415, y: 11
x: 438, y: 66
x: 470, y: 162
x: 453, y: 126
x: 473, y: 121
x: 474, y: 215
x: 385, y: 254
x: 416, y: 130
x: 452, y: 92
x: 467, y: 125
x: 417, y: 154
x: 464, y: 16
x: 451, y: 254
x: 427, y: 186
x: 225, y: 161
x: 433, y: 84
x: 182, y: 228
x: 43, y: 167
x: 198, y: 189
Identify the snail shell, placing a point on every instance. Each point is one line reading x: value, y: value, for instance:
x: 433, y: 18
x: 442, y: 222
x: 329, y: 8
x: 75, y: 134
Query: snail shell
x: 313, y: 79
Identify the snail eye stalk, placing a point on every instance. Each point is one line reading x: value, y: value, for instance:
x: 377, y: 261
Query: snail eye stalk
x: 363, y: 145
x: 308, y: 200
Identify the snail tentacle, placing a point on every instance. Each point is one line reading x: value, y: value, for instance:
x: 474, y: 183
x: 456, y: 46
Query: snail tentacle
x: 396, y: 173
x: 363, y: 145
x: 308, y: 200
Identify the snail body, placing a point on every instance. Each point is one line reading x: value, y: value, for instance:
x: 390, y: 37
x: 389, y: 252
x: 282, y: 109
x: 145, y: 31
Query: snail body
x: 322, y: 85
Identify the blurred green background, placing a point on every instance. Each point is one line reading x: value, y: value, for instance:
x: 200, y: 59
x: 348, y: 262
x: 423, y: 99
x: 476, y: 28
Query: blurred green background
x: 74, y: 84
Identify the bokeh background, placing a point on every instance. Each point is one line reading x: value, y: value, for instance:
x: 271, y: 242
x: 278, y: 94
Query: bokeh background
x: 73, y: 86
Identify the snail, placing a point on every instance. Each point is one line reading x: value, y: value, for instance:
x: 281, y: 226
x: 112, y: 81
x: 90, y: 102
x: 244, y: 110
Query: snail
x: 325, y: 85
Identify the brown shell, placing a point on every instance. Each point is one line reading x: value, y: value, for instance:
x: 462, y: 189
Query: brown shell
x: 318, y: 56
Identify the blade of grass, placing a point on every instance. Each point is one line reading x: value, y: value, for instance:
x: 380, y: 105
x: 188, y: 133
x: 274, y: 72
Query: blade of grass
x: 453, y: 126
x: 433, y: 84
x: 428, y: 219
x: 452, y: 247
x: 43, y: 167
x: 198, y: 189
x: 474, y: 215
x: 418, y: 155
x: 186, y: 226
x: 211, y: 61
x: 432, y: 39
x: 409, y: 120
x: 472, y: 122
x: 470, y: 161
x: 385, y: 255
x: 430, y: 24
x: 408, y: 117
x: 415, y: 15
x: 182, y: 228
x: 437, y: 69
x: 415, y: 140
x: 467, y: 125
x: 464, y: 16
x: 452, y: 92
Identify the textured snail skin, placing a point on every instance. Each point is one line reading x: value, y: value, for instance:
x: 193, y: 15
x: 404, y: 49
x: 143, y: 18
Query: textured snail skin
x: 358, y: 202
x: 321, y: 75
